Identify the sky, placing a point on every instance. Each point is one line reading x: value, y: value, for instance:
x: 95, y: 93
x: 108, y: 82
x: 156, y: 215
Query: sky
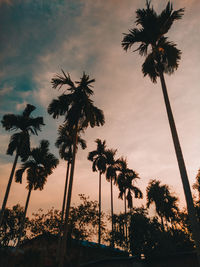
x: 38, y: 38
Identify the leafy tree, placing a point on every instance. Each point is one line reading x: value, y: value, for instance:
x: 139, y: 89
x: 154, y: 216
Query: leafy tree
x: 39, y: 166
x: 165, y: 202
x: 20, y: 141
x: 147, y: 237
x: 119, y: 230
x: 83, y: 220
x: 79, y: 112
x: 99, y: 159
x: 162, y: 56
x: 9, y: 231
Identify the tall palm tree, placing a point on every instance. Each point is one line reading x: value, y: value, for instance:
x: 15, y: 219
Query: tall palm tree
x: 20, y: 141
x: 111, y: 176
x: 98, y: 157
x: 38, y: 167
x: 165, y: 204
x: 162, y: 56
x: 65, y: 142
x: 125, y: 180
x: 79, y: 112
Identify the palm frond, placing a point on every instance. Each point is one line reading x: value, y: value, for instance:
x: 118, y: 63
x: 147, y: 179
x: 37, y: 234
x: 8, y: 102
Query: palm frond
x: 60, y: 106
x: 19, y: 174
x: 170, y: 56
x: 59, y: 81
x: 28, y: 109
x: 10, y: 122
x: 135, y: 36
x: 13, y: 144
x: 168, y: 16
x: 92, y: 154
x: 150, y: 68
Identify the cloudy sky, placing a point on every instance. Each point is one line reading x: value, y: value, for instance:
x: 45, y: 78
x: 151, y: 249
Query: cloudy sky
x: 39, y: 37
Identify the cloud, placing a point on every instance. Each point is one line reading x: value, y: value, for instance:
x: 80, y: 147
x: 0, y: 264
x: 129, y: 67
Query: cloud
x: 5, y: 90
x: 21, y: 106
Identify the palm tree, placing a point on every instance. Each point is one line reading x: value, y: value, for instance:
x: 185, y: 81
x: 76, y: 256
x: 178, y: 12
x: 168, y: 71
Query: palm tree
x: 38, y: 167
x: 165, y: 204
x: 79, y: 112
x: 98, y: 157
x: 125, y: 180
x: 111, y: 175
x: 64, y: 142
x: 162, y: 56
x: 19, y: 142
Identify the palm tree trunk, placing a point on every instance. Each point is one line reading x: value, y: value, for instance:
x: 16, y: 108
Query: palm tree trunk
x: 63, y: 209
x: 65, y: 192
x: 8, y: 189
x: 125, y: 213
x: 24, y: 217
x: 64, y: 240
x: 99, y: 238
x: 183, y: 171
x: 111, y: 190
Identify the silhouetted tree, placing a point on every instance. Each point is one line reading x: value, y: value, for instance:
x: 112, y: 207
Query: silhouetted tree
x: 9, y: 231
x: 99, y: 159
x: 65, y: 142
x: 162, y: 56
x: 39, y: 166
x: 111, y: 176
x: 147, y: 237
x: 165, y: 203
x: 19, y: 142
x: 125, y: 180
x: 79, y: 112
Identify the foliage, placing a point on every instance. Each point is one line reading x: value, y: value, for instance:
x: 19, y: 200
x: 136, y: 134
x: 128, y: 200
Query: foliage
x: 39, y: 165
x: 27, y: 125
x: 125, y: 180
x: 161, y: 54
x: 83, y: 220
x: 98, y: 157
x: 10, y: 228
x: 147, y: 237
x: 76, y: 104
x: 165, y: 203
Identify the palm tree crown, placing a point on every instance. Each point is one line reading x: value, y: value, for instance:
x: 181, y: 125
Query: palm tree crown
x: 65, y: 141
x: 98, y: 156
x: 39, y: 165
x: 125, y: 180
x: 161, y: 54
x: 20, y: 142
x: 76, y: 105
x: 165, y: 202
